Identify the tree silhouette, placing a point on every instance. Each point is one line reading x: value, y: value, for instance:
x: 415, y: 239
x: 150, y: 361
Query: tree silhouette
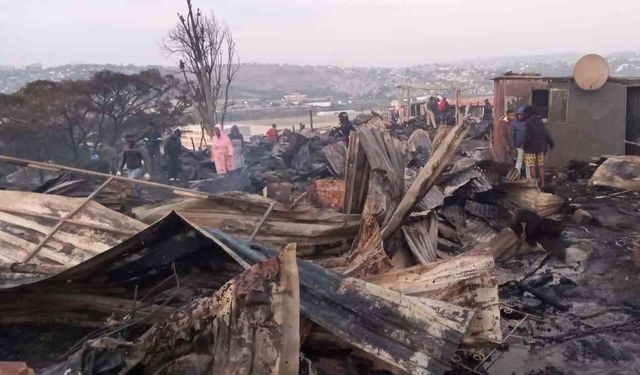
x: 207, y: 53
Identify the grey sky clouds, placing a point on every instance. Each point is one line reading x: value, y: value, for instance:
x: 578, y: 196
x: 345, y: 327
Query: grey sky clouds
x: 341, y: 32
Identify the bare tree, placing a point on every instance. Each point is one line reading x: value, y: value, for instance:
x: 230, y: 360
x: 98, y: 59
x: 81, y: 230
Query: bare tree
x: 207, y: 52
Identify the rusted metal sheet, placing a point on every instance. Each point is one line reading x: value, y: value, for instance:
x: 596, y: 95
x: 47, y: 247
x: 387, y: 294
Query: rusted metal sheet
x: 26, y: 219
x: 426, y: 178
x: 410, y: 334
x: 387, y: 157
x: 356, y: 178
x: 467, y: 280
x: 327, y: 194
x: 367, y: 256
x: 336, y: 154
x: 618, y: 172
x: 525, y: 194
x: 158, y: 261
x: 421, y: 234
x: 504, y: 245
x: 75, y: 186
x: 315, y: 231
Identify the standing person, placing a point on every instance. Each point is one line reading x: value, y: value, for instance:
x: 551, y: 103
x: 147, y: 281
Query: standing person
x: 272, y: 133
x: 152, y: 140
x: 518, y: 134
x: 346, y: 126
x: 502, y: 138
x: 136, y: 161
x: 431, y: 116
x: 537, y: 142
x: 434, y: 106
x: 173, y: 149
x: 237, y: 142
x: 221, y: 150
x: 443, y: 106
x: 488, y: 111
x: 395, y: 117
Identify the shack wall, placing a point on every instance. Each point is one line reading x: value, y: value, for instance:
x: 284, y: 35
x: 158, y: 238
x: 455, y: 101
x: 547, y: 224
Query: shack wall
x: 596, y: 120
x: 596, y: 123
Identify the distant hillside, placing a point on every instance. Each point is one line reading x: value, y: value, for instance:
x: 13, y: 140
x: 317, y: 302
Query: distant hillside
x: 274, y: 80
x: 269, y: 82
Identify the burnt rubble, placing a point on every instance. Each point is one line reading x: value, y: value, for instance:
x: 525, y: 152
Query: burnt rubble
x: 400, y: 249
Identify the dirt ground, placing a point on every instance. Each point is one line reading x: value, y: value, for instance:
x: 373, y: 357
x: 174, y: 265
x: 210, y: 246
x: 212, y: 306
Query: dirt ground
x: 597, y: 280
x: 39, y: 345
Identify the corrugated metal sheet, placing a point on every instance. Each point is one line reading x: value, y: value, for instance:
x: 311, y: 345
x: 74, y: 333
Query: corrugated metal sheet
x: 27, y: 218
x: 471, y: 229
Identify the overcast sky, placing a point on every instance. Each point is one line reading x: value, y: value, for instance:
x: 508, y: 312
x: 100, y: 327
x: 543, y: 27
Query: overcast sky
x: 341, y: 32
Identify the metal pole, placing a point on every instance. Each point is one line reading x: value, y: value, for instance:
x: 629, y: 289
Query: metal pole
x: 311, y: 118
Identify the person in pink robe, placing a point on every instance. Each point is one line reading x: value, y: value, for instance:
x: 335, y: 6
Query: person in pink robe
x: 221, y: 150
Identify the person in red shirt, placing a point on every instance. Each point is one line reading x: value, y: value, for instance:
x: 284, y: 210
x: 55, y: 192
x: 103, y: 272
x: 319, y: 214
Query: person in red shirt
x: 442, y: 104
x: 272, y: 133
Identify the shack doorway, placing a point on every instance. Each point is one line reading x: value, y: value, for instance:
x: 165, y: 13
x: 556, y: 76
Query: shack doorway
x: 633, y: 121
x: 540, y: 101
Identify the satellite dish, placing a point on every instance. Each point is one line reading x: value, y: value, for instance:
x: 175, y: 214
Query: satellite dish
x: 591, y: 72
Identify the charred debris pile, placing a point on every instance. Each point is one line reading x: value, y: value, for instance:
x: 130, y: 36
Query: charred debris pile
x: 395, y: 250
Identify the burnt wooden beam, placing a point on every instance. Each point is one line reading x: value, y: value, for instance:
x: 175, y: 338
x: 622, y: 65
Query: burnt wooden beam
x: 468, y: 280
x: 426, y: 178
x: 413, y: 334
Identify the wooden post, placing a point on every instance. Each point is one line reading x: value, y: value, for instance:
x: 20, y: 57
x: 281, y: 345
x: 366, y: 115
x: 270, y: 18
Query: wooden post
x: 287, y: 310
x: 64, y: 219
x: 311, y: 118
x: 408, y: 103
x: 262, y: 220
x: 457, y: 107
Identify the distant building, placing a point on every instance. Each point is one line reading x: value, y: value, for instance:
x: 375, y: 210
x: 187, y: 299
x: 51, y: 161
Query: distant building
x: 319, y: 104
x: 294, y: 99
x: 583, y: 123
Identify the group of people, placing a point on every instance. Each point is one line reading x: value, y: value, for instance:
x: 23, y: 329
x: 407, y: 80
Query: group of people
x: 138, y: 159
x: 524, y: 134
x: 227, y: 151
x: 436, y: 110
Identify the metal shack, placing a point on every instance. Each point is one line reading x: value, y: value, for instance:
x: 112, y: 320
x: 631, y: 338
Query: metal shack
x: 583, y: 123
